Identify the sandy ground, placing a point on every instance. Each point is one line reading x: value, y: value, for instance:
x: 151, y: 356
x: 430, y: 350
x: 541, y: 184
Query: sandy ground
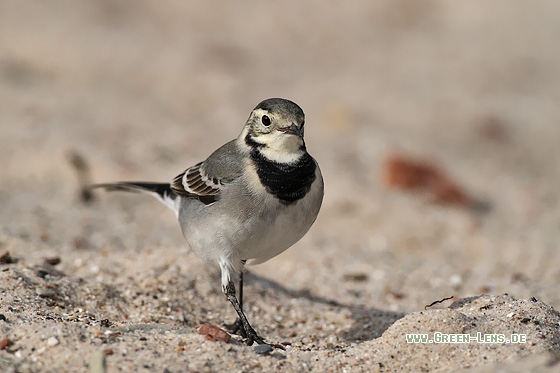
x: 142, y: 89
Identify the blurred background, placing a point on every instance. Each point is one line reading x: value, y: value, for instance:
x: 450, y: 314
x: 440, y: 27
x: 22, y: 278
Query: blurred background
x: 140, y: 90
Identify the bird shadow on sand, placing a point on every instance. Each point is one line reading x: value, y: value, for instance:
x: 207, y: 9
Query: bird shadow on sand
x: 369, y: 323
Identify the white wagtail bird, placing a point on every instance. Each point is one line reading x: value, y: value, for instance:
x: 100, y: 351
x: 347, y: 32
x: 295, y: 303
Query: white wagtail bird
x: 248, y: 201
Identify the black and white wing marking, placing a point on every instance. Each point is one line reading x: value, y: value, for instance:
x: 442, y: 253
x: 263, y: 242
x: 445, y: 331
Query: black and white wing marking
x: 196, y: 184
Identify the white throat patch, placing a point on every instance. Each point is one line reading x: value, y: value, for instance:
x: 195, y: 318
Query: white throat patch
x: 280, y: 147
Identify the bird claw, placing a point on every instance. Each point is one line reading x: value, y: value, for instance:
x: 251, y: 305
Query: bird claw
x: 252, y: 337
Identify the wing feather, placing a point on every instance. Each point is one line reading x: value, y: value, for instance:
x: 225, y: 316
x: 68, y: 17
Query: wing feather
x: 195, y: 184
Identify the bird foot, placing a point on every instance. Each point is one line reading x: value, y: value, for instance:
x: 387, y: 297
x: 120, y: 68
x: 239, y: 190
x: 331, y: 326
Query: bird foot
x: 252, y: 337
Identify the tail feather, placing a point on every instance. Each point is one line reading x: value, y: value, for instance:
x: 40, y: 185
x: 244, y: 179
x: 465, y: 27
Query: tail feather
x: 162, y: 191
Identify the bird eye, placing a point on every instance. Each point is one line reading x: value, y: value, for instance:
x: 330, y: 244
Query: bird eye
x: 265, y: 120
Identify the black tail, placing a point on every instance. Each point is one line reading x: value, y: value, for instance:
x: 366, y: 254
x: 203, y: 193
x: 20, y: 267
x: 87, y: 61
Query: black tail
x: 162, y: 191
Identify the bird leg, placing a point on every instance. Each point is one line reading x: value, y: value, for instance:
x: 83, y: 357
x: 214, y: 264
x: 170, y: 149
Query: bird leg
x: 237, y: 326
x: 250, y: 333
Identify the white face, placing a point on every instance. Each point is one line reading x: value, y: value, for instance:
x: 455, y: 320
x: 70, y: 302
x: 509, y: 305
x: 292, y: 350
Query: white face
x: 279, y: 146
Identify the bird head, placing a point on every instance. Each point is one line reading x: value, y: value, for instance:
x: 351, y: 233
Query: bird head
x: 275, y: 128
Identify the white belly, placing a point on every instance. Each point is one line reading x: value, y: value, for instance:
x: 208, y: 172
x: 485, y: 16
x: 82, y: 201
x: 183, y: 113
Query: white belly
x: 252, y: 226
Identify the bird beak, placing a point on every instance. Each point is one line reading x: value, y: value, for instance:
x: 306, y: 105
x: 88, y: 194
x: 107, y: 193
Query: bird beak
x: 293, y: 129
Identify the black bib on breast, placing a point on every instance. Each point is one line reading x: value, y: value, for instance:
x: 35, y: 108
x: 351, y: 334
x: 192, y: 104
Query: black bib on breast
x: 287, y: 182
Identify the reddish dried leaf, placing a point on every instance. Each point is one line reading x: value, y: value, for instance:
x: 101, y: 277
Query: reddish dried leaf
x: 213, y: 333
x: 400, y: 172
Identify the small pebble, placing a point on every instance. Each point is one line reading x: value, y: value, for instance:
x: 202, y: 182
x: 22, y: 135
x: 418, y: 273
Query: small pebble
x: 40, y: 350
x: 42, y: 273
x: 6, y: 258
x: 355, y: 277
x: 45, y: 293
x: 4, y: 343
x: 2, y: 317
x: 52, y: 260
x: 263, y: 349
x: 52, y: 341
x: 105, y: 323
